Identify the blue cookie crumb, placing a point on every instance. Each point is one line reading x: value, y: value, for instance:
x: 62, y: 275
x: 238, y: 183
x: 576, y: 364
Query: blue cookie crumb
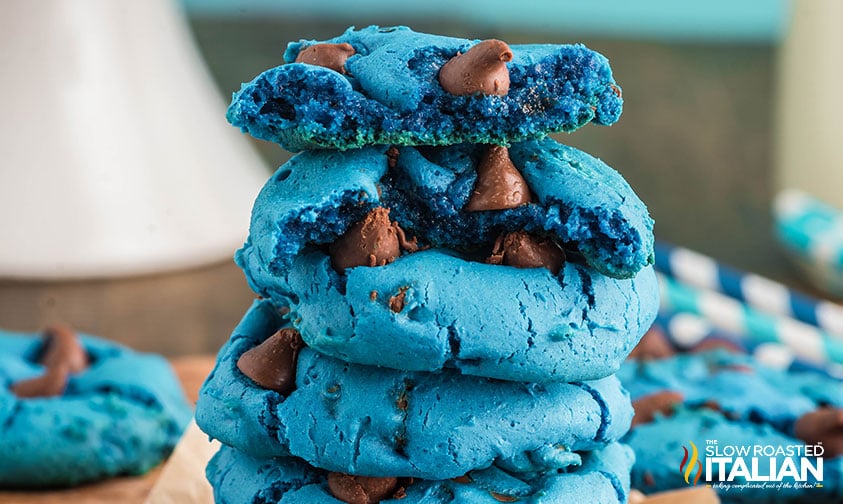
x: 392, y: 95
x: 368, y: 420
x: 598, y: 477
x: 120, y: 416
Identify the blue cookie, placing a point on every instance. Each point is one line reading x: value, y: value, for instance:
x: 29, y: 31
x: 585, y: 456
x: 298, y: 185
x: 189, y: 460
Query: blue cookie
x: 122, y: 414
x: 534, y: 325
x: 388, y: 92
x: 578, y: 201
x: 661, y: 463
x: 370, y: 421
x: 531, y: 325
x: 599, y: 477
x: 742, y: 387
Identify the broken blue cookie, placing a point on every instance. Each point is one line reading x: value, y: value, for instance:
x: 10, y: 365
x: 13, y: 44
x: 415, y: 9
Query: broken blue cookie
x: 600, y: 476
x: 553, y: 316
x: 440, y: 197
x: 366, y: 420
x: 395, y: 86
x: 75, y: 409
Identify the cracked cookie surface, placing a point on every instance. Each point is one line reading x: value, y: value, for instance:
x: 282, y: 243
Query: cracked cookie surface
x: 601, y: 475
x: 367, y: 420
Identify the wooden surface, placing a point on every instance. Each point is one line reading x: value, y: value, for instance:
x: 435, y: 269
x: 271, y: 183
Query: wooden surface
x: 129, y: 490
x: 177, y: 313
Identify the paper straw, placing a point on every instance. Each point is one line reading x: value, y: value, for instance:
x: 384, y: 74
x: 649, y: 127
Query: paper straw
x: 686, y: 330
x: 759, y: 292
x: 807, y: 342
x: 810, y: 228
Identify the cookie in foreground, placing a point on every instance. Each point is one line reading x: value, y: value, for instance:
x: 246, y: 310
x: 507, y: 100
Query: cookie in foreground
x: 75, y: 409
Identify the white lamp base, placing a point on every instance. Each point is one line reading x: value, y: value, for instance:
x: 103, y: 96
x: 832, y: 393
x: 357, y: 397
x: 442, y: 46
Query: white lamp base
x: 115, y: 156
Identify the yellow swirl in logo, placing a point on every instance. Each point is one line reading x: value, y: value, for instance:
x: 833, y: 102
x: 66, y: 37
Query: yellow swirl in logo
x: 691, y: 463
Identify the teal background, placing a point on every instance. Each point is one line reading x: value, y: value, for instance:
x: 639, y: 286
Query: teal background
x: 744, y: 20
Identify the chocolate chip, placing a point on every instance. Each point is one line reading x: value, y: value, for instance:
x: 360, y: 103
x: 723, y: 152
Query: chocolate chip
x: 362, y: 489
x: 715, y: 344
x: 616, y: 90
x: 654, y: 345
x: 392, y: 155
x: 712, y: 405
x: 482, y: 69
x: 823, y: 425
x: 50, y: 384
x: 62, y: 355
x: 738, y: 368
x: 62, y: 347
x: 400, y: 443
x: 372, y: 241
x: 272, y: 364
x: 659, y: 402
x: 499, y: 184
x: 402, y: 402
x: 522, y: 250
x: 331, y: 56
x: 396, y: 302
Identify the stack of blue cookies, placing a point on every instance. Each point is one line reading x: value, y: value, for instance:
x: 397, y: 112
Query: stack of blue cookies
x: 445, y: 293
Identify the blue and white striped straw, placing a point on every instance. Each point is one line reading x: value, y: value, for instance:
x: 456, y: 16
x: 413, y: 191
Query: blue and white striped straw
x: 687, y: 330
x: 808, y: 342
x: 810, y: 228
x: 759, y: 292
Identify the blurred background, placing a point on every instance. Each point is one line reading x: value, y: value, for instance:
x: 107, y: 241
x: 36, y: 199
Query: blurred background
x: 702, y: 84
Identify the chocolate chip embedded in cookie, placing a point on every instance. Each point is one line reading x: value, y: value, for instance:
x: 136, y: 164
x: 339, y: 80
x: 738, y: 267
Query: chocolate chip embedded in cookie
x: 365, y: 489
x: 481, y: 70
x: 653, y: 345
x: 499, y: 184
x: 522, y: 250
x: 272, y: 364
x: 372, y: 241
x: 823, y: 425
x: 50, y: 384
x: 62, y: 355
x: 331, y: 56
x: 647, y: 407
x: 61, y: 346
